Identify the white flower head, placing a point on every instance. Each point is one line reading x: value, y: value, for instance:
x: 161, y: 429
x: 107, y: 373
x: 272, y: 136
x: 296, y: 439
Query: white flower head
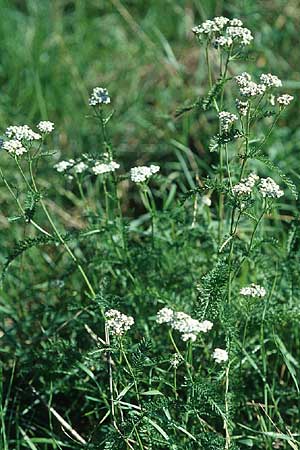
x: 99, y: 96
x: 117, y: 322
x: 270, y: 80
x: 227, y: 119
x: 206, y: 200
x: 242, y: 106
x: 22, y: 133
x: 141, y: 174
x: 249, y: 88
x: 285, y: 99
x: 185, y: 324
x: 14, y: 147
x: 62, y: 166
x: 165, y: 315
x: 101, y: 168
x: 220, y: 355
x: 246, y: 185
x: 254, y: 290
x: 225, y: 32
x: 240, y: 34
x: 269, y: 189
x: 45, y: 126
x: 80, y: 167
x: 176, y: 360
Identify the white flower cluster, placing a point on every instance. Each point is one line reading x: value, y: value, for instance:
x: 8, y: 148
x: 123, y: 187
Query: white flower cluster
x: 140, y: 174
x: 245, y: 186
x: 270, y: 80
x: 239, y: 34
x: 268, y: 188
x: 242, y: 107
x: 285, y: 99
x: 117, y: 322
x: 249, y: 88
x: 14, y: 147
x: 182, y: 322
x: 99, y: 96
x: 100, y: 168
x: 220, y: 355
x: 206, y: 200
x: 254, y: 290
x: 76, y: 166
x: 225, y: 32
x: 176, y: 360
x: 22, y: 133
x: 45, y: 126
x: 227, y: 119
x: 62, y: 166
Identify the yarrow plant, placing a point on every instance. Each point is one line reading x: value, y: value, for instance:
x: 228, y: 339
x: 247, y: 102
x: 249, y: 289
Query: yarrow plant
x: 193, y: 235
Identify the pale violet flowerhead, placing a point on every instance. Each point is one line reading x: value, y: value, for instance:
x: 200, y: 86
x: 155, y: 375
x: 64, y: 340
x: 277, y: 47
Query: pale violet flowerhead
x: 45, y: 126
x: 117, y: 322
x: 101, y: 168
x: 284, y: 100
x: 14, y: 147
x: 220, y: 355
x: 99, y: 96
x: 254, y: 290
x: 140, y: 174
x: 269, y: 188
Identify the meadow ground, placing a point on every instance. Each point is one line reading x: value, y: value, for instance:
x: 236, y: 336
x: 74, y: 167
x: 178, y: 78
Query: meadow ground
x: 74, y: 247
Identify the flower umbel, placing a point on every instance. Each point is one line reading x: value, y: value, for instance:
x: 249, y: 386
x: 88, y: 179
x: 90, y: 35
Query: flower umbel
x: 220, y: 355
x: 117, y: 322
x: 182, y: 322
x: 254, y: 290
x: 141, y: 174
x: 269, y: 189
x: 22, y: 133
x: 14, y: 147
x: 99, y: 96
x: 45, y: 126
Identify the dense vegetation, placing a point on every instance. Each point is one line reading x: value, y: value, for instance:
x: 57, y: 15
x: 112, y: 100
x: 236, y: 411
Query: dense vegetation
x: 154, y: 308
